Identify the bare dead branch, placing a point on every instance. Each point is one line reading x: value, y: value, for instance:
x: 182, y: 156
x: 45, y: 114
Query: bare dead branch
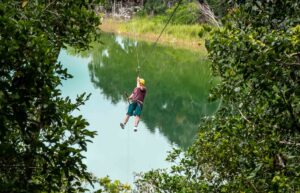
x: 244, y: 117
x: 293, y: 54
x: 208, y: 13
x: 280, y: 161
x: 289, y: 143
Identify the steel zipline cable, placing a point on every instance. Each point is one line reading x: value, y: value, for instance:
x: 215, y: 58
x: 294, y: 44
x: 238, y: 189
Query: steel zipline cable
x: 169, y: 20
x: 162, y: 31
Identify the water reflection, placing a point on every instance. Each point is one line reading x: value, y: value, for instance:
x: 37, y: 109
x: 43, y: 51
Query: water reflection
x: 178, y: 82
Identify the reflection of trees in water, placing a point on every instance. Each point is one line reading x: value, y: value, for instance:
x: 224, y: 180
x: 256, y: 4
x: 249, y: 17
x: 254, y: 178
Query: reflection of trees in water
x: 178, y: 82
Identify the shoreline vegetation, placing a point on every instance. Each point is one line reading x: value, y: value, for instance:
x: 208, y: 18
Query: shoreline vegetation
x: 179, y: 36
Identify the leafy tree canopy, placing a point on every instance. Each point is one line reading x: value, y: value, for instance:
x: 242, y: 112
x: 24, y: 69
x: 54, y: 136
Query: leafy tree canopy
x: 41, y: 143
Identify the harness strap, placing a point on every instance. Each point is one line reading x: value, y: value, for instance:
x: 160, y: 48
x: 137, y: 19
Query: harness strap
x: 138, y: 101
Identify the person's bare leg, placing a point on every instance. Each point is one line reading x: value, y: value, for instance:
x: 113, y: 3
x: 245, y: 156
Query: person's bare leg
x: 125, y: 121
x: 136, y: 122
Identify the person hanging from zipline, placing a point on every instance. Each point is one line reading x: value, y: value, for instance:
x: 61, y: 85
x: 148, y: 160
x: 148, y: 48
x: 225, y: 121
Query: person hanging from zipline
x: 136, y: 103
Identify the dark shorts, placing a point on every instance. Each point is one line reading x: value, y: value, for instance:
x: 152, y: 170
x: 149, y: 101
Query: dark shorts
x: 135, y: 109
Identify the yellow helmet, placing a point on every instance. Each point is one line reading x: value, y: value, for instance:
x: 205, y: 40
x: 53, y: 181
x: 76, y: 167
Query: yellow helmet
x: 142, y: 81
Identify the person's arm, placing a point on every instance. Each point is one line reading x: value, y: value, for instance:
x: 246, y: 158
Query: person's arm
x: 138, y: 81
x: 130, y: 97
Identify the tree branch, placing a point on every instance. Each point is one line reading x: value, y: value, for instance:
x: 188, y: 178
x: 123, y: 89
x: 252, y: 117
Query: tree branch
x: 244, y: 117
x: 289, y: 143
x: 293, y: 54
x: 292, y: 64
x: 52, y: 2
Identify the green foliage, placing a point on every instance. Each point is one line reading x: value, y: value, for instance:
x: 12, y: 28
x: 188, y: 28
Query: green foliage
x: 155, y: 6
x: 109, y: 186
x: 187, y: 13
x: 252, y: 143
x: 220, y: 7
x: 41, y: 143
x: 107, y: 4
x: 182, y: 177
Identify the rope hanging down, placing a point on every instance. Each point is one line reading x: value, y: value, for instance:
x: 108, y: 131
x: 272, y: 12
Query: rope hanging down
x: 136, y: 50
x: 162, y: 31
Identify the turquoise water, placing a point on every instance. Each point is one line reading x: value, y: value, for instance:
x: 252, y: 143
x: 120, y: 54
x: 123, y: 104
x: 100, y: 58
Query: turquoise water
x: 178, y: 83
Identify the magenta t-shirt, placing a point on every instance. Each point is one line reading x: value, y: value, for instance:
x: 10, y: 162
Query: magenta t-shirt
x: 139, y: 94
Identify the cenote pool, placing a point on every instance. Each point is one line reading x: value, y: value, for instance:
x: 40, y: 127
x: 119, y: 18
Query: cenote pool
x: 178, y: 83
